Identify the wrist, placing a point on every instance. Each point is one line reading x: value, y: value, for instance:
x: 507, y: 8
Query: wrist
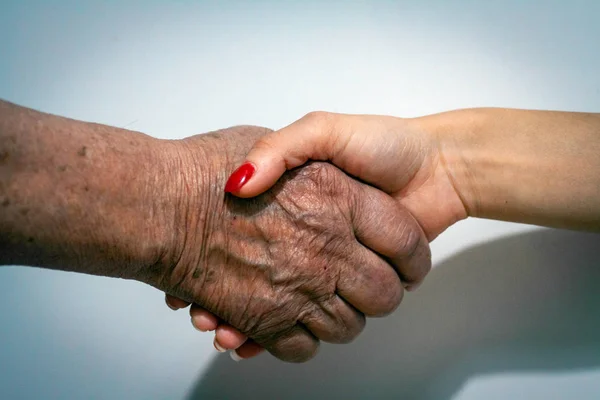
x: 186, y: 186
x: 456, y: 134
x: 536, y: 167
x: 446, y: 195
x: 128, y: 215
x: 193, y: 174
x: 192, y: 180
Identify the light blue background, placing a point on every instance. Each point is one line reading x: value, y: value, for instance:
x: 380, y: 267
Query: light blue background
x: 176, y: 68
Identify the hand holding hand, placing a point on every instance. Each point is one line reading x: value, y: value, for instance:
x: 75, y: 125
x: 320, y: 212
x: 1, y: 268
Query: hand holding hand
x: 301, y: 263
x: 402, y: 157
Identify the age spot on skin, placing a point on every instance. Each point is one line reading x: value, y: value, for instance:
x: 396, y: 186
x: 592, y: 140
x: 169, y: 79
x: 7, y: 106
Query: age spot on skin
x: 4, y: 156
x: 62, y: 168
x: 24, y: 211
x: 197, y: 272
x: 82, y: 152
x: 5, y: 203
x: 210, y: 276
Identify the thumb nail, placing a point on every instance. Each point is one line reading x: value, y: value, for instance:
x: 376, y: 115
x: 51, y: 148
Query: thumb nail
x: 239, y: 177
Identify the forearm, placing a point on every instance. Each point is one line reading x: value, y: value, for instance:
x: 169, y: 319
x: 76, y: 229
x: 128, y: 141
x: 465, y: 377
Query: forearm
x: 72, y: 197
x: 537, y: 167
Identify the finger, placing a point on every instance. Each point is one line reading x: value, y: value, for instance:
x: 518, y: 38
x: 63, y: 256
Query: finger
x: 370, y: 284
x: 203, y: 320
x: 296, y: 345
x: 248, y: 350
x: 336, y: 321
x: 175, y: 303
x: 228, y: 337
x: 384, y: 226
x: 310, y: 137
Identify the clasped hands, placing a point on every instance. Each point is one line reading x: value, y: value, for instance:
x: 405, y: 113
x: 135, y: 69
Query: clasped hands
x: 280, y: 240
x: 326, y: 222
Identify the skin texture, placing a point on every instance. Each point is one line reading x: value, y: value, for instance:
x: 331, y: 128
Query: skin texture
x: 63, y: 200
x: 294, y: 260
x: 397, y: 155
x: 538, y: 167
x: 303, y: 262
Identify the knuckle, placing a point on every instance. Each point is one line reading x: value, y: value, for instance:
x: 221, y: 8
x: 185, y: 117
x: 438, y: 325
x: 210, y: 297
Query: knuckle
x: 320, y: 118
x: 410, y: 241
x: 322, y: 127
x: 294, y: 351
x: 415, y: 256
x: 333, y: 324
x: 391, y: 300
x: 250, y: 130
x: 332, y: 248
x: 422, y: 257
x: 264, y: 143
x: 319, y: 171
x: 326, y: 178
x: 349, y: 332
x: 389, y: 297
x: 303, y: 355
x: 268, y: 327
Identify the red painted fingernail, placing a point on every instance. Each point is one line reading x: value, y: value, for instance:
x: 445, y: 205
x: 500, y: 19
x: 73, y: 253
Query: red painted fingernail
x: 239, y: 177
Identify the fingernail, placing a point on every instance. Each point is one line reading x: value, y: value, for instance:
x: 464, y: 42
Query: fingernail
x: 170, y: 306
x: 218, y: 347
x: 194, y: 325
x: 235, y: 356
x: 239, y: 177
x: 413, y: 287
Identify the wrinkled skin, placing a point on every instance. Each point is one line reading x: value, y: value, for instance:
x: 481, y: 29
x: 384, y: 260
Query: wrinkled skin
x: 292, y: 266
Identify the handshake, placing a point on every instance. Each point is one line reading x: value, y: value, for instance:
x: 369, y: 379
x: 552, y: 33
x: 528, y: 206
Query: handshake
x: 313, y: 249
x: 280, y: 240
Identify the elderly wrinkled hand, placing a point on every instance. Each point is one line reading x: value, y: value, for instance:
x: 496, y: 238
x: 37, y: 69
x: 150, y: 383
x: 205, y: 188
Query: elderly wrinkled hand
x: 303, y: 262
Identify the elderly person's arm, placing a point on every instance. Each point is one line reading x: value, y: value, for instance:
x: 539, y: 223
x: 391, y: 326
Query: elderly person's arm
x: 305, y: 261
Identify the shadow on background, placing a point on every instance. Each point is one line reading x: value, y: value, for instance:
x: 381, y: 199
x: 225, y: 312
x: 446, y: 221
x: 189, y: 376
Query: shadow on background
x: 522, y: 303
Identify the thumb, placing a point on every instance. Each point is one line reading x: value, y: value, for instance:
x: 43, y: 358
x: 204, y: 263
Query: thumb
x: 310, y: 138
